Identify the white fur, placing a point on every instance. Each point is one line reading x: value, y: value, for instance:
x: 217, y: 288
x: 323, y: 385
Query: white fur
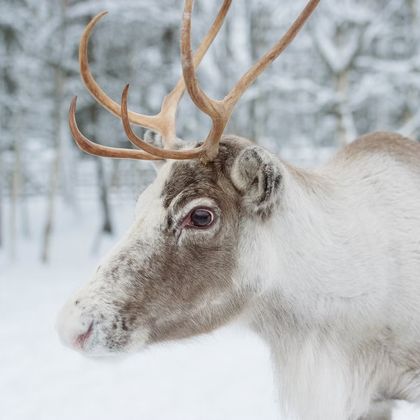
x: 337, y: 274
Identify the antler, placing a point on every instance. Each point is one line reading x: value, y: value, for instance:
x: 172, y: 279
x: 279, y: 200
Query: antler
x: 95, y: 149
x: 220, y: 111
x: 163, y: 122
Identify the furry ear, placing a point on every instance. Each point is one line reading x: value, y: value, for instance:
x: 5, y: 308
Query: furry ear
x: 258, y: 176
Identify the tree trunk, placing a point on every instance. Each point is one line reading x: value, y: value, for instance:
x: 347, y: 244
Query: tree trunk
x: 55, y: 169
x: 2, y: 195
x: 15, y: 187
x: 104, y: 198
x: 345, y: 124
x: 106, y: 227
x: 57, y: 116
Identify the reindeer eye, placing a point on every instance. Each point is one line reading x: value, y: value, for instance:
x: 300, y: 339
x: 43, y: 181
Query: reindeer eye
x: 200, y: 218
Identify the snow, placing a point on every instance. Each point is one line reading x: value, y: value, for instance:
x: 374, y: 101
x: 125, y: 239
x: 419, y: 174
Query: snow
x: 224, y: 375
x: 204, y: 378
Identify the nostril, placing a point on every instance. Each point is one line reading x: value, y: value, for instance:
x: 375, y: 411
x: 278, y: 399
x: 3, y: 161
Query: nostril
x: 82, y: 339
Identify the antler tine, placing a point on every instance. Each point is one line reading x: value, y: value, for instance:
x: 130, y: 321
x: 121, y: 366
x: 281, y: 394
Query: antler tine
x: 92, y: 86
x: 221, y: 110
x: 170, y: 102
x: 95, y: 149
x: 164, y: 121
x: 213, y: 108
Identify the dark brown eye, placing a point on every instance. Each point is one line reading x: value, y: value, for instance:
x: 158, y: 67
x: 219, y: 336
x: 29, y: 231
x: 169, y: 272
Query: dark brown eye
x: 201, y: 218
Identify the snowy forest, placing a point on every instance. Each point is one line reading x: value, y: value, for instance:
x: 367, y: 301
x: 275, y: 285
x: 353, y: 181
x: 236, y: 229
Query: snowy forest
x: 353, y: 69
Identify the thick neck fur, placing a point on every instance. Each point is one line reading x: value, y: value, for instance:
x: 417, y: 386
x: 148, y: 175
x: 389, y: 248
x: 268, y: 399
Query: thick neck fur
x: 323, y: 292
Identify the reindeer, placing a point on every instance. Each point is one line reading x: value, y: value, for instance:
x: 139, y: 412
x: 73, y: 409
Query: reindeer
x: 324, y: 265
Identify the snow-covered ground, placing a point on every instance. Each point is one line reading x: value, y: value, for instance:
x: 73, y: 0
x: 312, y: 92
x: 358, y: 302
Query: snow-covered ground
x: 225, y: 375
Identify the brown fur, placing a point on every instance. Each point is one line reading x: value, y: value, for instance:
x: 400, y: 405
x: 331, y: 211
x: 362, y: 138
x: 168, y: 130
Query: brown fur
x: 162, y: 294
x: 380, y: 143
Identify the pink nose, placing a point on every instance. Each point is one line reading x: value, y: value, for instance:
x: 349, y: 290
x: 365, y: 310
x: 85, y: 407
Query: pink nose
x: 75, y: 328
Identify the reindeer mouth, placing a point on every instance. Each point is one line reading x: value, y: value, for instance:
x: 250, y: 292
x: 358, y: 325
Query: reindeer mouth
x: 82, y: 339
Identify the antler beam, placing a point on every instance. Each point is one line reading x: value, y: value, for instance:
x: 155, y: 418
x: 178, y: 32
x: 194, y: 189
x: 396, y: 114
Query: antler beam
x: 219, y: 111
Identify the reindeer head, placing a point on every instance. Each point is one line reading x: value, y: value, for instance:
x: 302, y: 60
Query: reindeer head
x: 186, y: 266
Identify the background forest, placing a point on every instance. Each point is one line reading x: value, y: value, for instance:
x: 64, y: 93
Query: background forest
x: 355, y: 68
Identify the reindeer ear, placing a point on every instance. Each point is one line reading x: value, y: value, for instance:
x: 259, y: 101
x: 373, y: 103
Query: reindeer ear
x: 257, y: 174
